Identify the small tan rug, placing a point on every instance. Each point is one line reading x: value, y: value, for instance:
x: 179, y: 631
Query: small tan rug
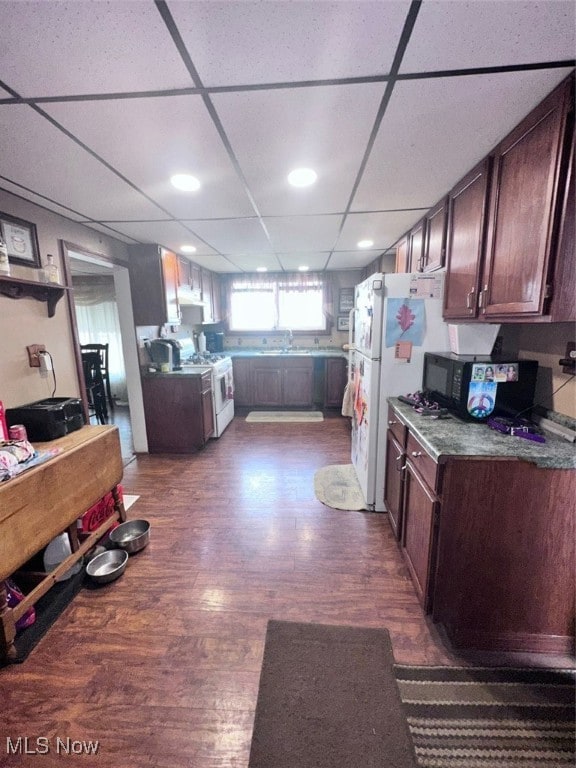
x: 337, y: 486
x: 284, y: 416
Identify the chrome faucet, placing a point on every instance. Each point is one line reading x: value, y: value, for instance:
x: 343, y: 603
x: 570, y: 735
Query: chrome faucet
x: 288, y: 339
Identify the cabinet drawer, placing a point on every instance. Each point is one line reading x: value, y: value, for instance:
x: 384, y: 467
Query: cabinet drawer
x: 395, y: 426
x: 422, y: 461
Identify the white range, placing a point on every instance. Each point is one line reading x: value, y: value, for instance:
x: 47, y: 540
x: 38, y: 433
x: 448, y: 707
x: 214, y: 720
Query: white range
x: 222, y: 385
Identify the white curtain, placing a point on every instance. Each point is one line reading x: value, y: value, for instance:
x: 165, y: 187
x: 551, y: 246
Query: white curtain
x: 98, y: 323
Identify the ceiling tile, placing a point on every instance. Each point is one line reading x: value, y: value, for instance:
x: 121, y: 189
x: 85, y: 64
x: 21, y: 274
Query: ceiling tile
x: 314, y: 261
x: 382, y: 228
x: 215, y: 262
x: 170, y: 234
x: 255, y: 42
x: 490, y: 33
x: 110, y: 231
x: 303, y: 233
x: 434, y: 131
x: 41, y: 201
x: 250, y: 262
x: 42, y: 158
x: 352, y: 259
x: 233, y: 236
x: 64, y: 48
x: 148, y: 140
x: 273, y: 132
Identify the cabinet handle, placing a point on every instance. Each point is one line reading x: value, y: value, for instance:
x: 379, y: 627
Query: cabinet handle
x: 416, y: 453
x: 397, y: 459
x: 390, y: 423
x: 469, y: 298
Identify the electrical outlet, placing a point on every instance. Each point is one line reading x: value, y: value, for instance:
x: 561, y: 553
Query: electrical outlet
x: 33, y: 356
x: 568, y: 362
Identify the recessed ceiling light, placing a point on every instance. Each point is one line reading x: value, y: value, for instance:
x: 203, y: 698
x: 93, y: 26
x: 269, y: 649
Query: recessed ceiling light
x: 261, y: 269
x: 302, y: 177
x: 185, y: 182
x: 303, y: 269
x: 187, y: 249
x: 365, y: 243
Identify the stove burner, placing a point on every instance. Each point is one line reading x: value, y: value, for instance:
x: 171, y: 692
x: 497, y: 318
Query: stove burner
x: 203, y: 359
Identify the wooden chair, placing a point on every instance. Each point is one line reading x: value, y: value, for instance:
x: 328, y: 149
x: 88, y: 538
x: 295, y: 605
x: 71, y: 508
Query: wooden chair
x: 102, y: 351
x: 95, y: 388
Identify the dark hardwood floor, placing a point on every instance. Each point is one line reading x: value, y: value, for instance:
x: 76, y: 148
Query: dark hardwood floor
x: 162, y: 666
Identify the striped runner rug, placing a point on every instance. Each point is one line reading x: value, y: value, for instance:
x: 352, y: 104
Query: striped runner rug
x: 489, y: 718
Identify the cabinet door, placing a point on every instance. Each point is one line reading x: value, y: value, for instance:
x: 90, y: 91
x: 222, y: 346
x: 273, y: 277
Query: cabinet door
x: 467, y: 211
x: 154, y: 285
x: 564, y: 299
x: 298, y: 382
x: 524, y: 193
x: 243, y: 391
x: 267, y: 382
x: 394, y: 482
x: 402, y: 260
x: 183, y: 272
x: 195, y: 277
x: 435, y: 238
x: 174, y: 414
x: 207, y: 414
x: 335, y: 378
x: 418, y: 533
x: 170, y: 272
x: 416, y: 246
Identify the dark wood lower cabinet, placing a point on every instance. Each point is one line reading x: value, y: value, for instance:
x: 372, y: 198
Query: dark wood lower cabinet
x: 335, y: 378
x: 489, y: 543
x: 505, y: 576
x: 179, y: 412
x: 295, y: 381
x: 393, y: 491
x: 418, y: 533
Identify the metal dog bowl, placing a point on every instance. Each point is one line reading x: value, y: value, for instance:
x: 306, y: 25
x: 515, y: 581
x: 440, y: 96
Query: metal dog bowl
x: 131, y: 536
x: 107, y: 566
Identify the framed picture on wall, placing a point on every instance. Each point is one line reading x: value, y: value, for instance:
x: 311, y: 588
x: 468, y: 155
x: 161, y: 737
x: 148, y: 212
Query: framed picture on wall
x: 346, y: 300
x: 21, y: 240
x: 343, y: 323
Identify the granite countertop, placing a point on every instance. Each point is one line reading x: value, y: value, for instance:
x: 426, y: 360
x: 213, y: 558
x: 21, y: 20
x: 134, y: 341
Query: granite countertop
x: 260, y: 352
x: 453, y: 437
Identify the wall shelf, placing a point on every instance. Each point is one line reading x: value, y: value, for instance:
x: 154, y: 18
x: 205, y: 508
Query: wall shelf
x: 15, y: 288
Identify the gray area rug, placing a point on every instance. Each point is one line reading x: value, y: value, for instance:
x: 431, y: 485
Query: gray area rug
x: 490, y: 717
x: 284, y: 416
x: 337, y: 486
x: 328, y: 698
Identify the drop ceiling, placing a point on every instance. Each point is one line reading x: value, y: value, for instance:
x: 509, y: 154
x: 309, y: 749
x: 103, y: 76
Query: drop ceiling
x: 390, y: 102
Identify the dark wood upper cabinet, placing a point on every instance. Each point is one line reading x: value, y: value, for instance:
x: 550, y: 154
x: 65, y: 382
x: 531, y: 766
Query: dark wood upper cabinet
x: 467, y: 207
x: 154, y: 285
x: 564, y: 284
x: 416, y: 246
x: 523, y: 203
x: 402, y: 261
x: 435, y: 237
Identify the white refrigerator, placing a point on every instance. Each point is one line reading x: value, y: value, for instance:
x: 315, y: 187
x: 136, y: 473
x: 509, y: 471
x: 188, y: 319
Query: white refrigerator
x: 396, y: 318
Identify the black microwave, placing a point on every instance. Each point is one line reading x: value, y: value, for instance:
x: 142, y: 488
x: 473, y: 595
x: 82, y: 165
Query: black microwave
x: 475, y: 387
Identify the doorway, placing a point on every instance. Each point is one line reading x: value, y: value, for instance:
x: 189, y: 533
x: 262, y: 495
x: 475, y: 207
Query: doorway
x: 101, y: 312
